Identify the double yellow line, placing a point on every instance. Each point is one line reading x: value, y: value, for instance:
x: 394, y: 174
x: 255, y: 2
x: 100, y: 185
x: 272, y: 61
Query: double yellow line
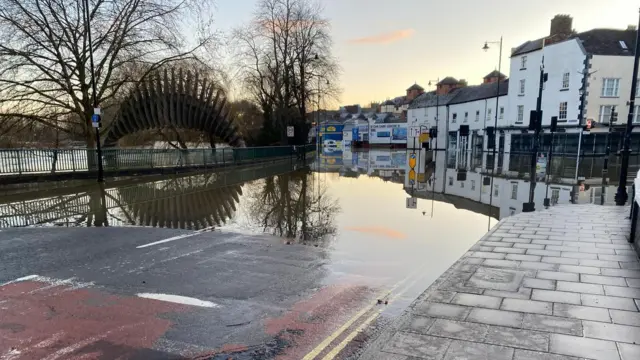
x: 336, y: 350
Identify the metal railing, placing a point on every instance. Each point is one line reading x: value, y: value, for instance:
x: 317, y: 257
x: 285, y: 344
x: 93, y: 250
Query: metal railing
x: 56, y: 161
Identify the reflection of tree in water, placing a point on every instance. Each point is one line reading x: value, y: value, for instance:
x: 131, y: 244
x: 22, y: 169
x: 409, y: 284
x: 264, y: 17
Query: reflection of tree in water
x: 294, y: 206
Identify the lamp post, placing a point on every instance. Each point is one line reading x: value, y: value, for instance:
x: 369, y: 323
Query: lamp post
x: 495, y: 126
x: 435, y: 150
x: 621, y: 194
x: 87, y: 15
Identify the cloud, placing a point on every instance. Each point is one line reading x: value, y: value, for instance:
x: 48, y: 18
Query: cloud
x: 385, y: 38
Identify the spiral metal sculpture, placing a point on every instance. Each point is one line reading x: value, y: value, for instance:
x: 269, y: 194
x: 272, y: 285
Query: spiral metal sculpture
x: 178, y: 100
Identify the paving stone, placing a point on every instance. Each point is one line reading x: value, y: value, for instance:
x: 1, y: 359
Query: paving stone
x: 418, y: 324
x: 552, y: 324
x: 488, y: 255
x: 496, y: 317
x: 458, y: 330
x: 613, y: 332
x: 536, y: 355
x: 522, y: 232
x: 481, y: 248
x: 388, y: 356
x: 608, y: 302
x: 472, y: 350
x: 622, y: 291
x: 509, y: 250
x: 614, y: 246
x: 542, y: 252
x: 599, y: 263
x: 439, y: 310
x: 617, y: 257
x: 483, y: 301
x: 497, y: 279
x: 535, y: 236
x: 604, y: 280
x: 630, y: 265
x: 501, y: 263
x: 579, y: 255
x: 495, y: 243
x: 621, y: 273
x: 556, y: 296
x: 522, y: 293
x: 581, y: 312
x: 524, y: 339
x: 422, y: 346
x: 579, y: 269
x: 562, y: 248
x: 583, y: 347
x: 580, y: 288
x: 539, y: 283
x: 596, y: 250
x: 625, y: 317
x: 633, y: 283
x: 528, y: 306
x: 577, y: 244
x: 554, y: 275
x: 441, y: 296
x: 560, y: 260
x: 627, y: 252
x: 537, y: 265
x: 470, y: 260
x: 629, y: 351
x: 547, y: 242
x: 516, y: 240
x: 518, y: 257
x: 529, y: 246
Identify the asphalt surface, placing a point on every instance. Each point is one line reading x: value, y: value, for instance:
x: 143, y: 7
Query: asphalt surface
x: 266, y: 297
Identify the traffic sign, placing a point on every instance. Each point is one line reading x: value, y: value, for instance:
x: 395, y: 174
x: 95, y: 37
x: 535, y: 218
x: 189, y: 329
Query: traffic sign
x: 95, y: 120
x: 412, y: 160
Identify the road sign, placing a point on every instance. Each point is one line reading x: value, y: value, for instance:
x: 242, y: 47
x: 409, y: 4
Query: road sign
x: 412, y: 203
x: 95, y: 120
x: 412, y: 160
x: 290, y: 131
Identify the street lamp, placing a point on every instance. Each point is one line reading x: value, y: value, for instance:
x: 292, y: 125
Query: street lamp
x: 495, y: 126
x: 621, y: 194
x: 87, y: 15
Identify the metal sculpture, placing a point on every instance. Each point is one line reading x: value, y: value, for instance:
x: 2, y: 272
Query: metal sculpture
x: 176, y: 100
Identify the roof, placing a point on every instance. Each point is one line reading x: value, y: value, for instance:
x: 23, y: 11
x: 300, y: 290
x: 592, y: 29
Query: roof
x: 495, y: 74
x: 415, y: 87
x: 449, y: 81
x: 480, y: 92
x: 389, y: 102
x: 527, y: 47
x: 429, y: 99
x: 607, y: 41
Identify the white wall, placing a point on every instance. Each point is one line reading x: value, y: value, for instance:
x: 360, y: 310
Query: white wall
x: 375, y: 129
x: 426, y: 117
x: 483, y: 107
x: 609, y: 67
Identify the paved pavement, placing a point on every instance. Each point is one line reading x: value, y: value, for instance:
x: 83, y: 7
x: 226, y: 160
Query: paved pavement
x: 560, y: 284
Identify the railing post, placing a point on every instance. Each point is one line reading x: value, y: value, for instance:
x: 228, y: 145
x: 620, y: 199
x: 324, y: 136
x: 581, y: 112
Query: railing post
x: 19, y: 161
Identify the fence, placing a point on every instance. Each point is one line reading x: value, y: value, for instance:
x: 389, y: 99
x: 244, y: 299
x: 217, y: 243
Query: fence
x: 56, y: 161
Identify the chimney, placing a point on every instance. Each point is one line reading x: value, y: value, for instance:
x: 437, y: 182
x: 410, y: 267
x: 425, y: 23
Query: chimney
x: 561, y: 25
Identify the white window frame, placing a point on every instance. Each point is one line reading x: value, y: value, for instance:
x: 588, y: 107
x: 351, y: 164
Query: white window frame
x: 604, y: 113
x: 477, y: 115
x: 562, y: 111
x: 520, y: 117
x: 566, y: 77
x: 514, y: 191
x: 612, y: 84
x: 454, y: 117
x: 501, y: 113
x: 489, y: 113
x: 523, y: 62
x: 473, y: 184
x: 523, y: 85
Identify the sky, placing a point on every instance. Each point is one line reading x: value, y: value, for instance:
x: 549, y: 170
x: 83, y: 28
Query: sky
x: 385, y: 46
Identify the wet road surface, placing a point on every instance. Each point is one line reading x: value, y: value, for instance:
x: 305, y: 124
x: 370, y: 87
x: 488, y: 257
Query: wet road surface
x: 299, y: 265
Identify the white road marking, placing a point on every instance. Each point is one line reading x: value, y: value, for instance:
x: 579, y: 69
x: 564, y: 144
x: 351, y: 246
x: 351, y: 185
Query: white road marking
x: 179, y: 237
x: 179, y: 300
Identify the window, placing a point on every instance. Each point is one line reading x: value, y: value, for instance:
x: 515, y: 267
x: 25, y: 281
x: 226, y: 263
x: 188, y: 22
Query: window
x: 466, y: 116
x: 514, y: 191
x: 501, y: 116
x: 488, y: 114
x: 520, y: 118
x: 565, y: 80
x: 477, y: 115
x: 636, y: 114
x: 523, y: 62
x: 473, y: 184
x: 638, y: 88
x: 555, y: 196
x: 454, y: 117
x: 496, y: 190
x: 462, y: 184
x: 450, y: 180
x: 562, y: 111
x: 605, y: 113
x: 610, y: 87
x: 522, y: 86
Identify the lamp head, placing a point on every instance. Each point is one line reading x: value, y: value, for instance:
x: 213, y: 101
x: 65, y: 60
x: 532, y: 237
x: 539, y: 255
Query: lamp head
x: 486, y: 46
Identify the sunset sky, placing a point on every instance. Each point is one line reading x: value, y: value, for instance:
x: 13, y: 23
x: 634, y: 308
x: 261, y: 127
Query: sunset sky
x: 385, y: 46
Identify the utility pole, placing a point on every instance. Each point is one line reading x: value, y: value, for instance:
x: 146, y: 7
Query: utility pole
x: 605, y: 169
x: 621, y: 194
x: 537, y: 122
x: 96, y: 109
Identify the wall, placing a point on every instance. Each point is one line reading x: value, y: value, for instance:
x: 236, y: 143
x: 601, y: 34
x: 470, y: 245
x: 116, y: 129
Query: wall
x: 426, y: 117
x: 609, y: 67
x: 388, y: 133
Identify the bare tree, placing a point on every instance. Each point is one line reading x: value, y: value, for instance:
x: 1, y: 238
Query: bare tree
x: 44, y: 54
x: 286, y: 47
